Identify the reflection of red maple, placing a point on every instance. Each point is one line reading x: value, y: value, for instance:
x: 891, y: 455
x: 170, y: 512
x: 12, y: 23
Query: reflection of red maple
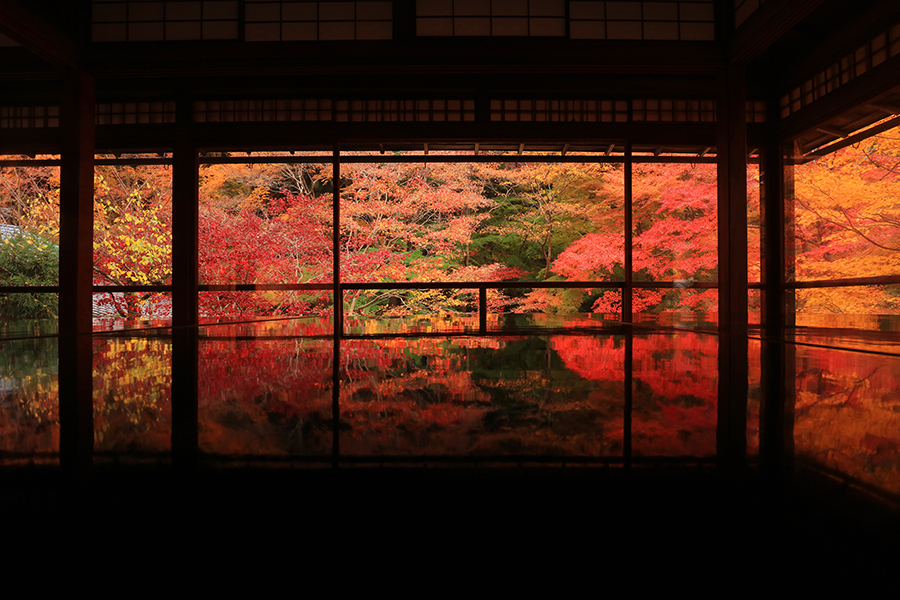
x: 674, y: 393
x: 593, y: 358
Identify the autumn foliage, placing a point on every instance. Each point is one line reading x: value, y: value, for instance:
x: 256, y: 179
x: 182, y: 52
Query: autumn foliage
x: 847, y: 225
x: 537, y: 395
x: 464, y: 222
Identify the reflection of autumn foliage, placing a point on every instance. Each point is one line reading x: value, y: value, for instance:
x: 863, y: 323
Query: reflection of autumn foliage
x: 29, y: 418
x: 847, y: 414
x: 265, y: 396
x: 558, y: 395
x: 593, y: 357
x: 675, y: 394
x: 448, y: 404
x: 394, y: 400
x: 674, y: 388
x: 132, y: 394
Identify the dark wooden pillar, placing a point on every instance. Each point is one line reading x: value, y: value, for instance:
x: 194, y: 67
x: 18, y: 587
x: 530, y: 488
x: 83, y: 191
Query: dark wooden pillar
x: 76, y: 216
x: 336, y: 241
x: 185, y: 316
x: 628, y: 304
x: 731, y: 129
x: 628, y: 201
x: 338, y: 303
x: 776, y: 430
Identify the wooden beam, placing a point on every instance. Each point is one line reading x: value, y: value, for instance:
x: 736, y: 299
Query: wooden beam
x: 825, y: 128
x: 865, y: 89
x: 504, y: 59
x: 298, y: 135
x: 891, y: 110
x: 185, y: 235
x: 849, y: 141
x: 836, y: 33
x: 767, y: 25
x: 338, y: 298
x: 38, y: 36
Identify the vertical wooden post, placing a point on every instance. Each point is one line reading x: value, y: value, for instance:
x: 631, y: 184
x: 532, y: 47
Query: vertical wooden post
x: 788, y: 230
x: 482, y: 310
x: 76, y: 216
x: 627, y: 293
x: 185, y: 279
x: 628, y: 380
x: 627, y: 306
x: 771, y: 426
x: 731, y: 127
x: 336, y: 240
x: 789, y: 310
x: 338, y: 302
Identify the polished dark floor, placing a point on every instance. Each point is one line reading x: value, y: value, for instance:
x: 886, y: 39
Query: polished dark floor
x: 838, y: 504
x: 668, y: 514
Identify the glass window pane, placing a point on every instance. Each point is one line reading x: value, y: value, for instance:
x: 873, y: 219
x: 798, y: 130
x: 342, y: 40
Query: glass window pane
x: 690, y: 308
x: 228, y: 306
x: 754, y: 225
x: 846, y: 212
x: 265, y: 224
x: 132, y: 225
x: 675, y: 222
x: 131, y: 310
x: 849, y: 300
x: 29, y: 233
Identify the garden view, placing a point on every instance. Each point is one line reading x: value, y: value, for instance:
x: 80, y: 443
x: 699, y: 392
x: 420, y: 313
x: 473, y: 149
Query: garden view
x: 464, y: 222
x: 559, y: 394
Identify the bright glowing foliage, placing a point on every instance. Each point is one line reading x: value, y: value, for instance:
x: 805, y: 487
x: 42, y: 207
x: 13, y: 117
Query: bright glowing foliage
x: 463, y: 222
x: 847, y: 218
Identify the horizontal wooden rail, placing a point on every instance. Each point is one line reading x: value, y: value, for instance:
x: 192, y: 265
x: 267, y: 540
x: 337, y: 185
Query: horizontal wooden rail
x: 829, y: 283
x: 399, y: 285
x: 381, y: 158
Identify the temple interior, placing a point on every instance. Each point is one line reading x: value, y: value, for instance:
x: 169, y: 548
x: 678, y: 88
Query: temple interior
x: 749, y: 384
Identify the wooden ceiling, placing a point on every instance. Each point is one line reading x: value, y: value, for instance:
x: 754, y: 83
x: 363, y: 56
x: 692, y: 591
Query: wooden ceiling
x: 780, y: 45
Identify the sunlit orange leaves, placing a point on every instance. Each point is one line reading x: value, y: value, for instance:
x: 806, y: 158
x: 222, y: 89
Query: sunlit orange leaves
x: 848, y: 225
